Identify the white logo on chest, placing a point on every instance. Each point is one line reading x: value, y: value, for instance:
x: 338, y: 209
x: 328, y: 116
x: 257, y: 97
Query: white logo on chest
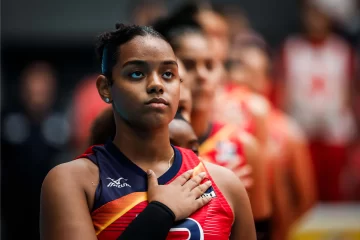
x: 119, y: 183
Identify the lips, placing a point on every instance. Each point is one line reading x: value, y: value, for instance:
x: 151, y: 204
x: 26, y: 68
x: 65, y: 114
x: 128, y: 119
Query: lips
x: 158, y: 101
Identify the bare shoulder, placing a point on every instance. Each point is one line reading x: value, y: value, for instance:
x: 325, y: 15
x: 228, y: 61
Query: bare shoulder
x: 79, y: 174
x: 250, y: 145
x: 72, y: 170
x: 294, y: 130
x: 259, y: 105
x: 230, y: 185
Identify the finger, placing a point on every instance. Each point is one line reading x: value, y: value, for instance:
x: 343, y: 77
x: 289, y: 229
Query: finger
x: 200, y: 202
x: 183, y: 178
x: 152, y: 179
x: 195, y: 181
x: 201, y: 189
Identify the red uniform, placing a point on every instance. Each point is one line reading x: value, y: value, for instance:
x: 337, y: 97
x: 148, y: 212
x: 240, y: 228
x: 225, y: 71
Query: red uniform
x: 121, y: 196
x: 231, y: 106
x: 317, y: 76
x: 223, y: 146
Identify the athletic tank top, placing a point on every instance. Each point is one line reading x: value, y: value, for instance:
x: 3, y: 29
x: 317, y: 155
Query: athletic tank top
x: 223, y: 146
x: 231, y: 107
x: 318, y: 79
x: 121, y: 195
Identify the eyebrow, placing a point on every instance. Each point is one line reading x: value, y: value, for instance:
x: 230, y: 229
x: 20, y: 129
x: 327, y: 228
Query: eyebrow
x: 143, y: 63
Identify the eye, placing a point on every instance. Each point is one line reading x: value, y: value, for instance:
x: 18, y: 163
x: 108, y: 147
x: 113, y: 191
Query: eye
x: 137, y: 75
x: 168, y: 75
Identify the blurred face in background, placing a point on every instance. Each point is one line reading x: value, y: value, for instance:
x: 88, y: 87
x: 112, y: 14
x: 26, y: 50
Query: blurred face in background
x: 194, y: 52
x: 316, y: 23
x: 217, y: 31
x: 147, y: 11
x: 250, y: 67
x: 185, y: 102
x: 38, y: 87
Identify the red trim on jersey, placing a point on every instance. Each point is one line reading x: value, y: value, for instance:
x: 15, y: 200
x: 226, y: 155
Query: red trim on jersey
x: 88, y: 152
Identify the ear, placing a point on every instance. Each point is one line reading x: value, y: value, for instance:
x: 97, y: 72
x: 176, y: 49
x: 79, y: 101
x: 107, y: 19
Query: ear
x: 103, y: 86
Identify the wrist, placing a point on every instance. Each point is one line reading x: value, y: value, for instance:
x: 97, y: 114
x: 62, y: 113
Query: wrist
x: 163, y: 208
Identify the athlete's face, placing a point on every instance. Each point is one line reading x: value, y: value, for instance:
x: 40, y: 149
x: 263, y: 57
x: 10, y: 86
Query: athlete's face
x: 315, y: 21
x: 250, y: 67
x: 146, y: 83
x: 217, y: 31
x: 182, y: 135
x: 198, y: 60
x: 185, y: 102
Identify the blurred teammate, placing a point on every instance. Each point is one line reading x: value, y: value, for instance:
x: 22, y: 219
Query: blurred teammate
x: 222, y: 144
x: 251, y: 66
x: 86, y: 107
x: 316, y: 76
x: 107, y: 185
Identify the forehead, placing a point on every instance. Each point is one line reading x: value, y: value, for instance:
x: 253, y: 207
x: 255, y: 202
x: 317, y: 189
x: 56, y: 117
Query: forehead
x: 181, y: 130
x: 194, y: 44
x: 249, y: 54
x: 147, y: 48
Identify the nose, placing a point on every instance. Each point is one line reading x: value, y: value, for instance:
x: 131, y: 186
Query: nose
x: 202, y: 74
x: 155, y: 85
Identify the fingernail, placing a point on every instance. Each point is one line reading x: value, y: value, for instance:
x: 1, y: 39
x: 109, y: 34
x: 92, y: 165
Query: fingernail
x: 202, y: 175
x: 208, y: 182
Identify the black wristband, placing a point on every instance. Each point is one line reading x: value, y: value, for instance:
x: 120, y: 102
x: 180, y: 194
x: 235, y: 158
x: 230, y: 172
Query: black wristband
x: 164, y: 208
x: 154, y: 222
x: 263, y: 229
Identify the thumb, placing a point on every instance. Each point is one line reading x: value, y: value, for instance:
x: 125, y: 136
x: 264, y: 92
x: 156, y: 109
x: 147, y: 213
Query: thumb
x: 152, y: 179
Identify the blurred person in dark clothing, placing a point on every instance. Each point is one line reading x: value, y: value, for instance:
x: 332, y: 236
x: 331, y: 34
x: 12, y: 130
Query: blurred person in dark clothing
x: 31, y: 138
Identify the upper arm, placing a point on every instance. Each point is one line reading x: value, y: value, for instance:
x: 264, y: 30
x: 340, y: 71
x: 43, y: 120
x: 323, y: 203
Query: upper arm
x: 243, y: 227
x: 235, y: 194
x: 64, y: 211
x: 260, y: 112
x: 301, y: 169
x: 259, y: 193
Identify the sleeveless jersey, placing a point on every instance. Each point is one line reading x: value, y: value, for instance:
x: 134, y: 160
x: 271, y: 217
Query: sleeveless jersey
x: 231, y: 107
x: 121, y: 195
x: 317, y: 79
x: 223, y: 146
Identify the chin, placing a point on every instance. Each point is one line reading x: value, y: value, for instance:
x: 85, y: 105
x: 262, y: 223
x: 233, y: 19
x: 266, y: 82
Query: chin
x: 156, y: 121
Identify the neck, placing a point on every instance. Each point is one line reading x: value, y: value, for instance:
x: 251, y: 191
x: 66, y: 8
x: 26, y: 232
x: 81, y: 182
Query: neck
x: 141, y: 146
x: 200, y: 121
x: 317, y: 38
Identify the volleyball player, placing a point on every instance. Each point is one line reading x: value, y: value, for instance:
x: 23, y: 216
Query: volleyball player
x: 251, y: 66
x: 231, y: 146
x: 106, y: 186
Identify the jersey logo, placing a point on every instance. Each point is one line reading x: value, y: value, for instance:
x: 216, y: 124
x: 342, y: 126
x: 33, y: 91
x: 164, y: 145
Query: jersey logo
x: 226, y: 152
x: 119, y: 183
x: 209, y: 193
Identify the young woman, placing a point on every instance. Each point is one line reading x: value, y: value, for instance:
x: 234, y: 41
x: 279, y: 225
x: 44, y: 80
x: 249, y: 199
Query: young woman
x: 288, y: 144
x: 99, y: 194
x: 224, y: 145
